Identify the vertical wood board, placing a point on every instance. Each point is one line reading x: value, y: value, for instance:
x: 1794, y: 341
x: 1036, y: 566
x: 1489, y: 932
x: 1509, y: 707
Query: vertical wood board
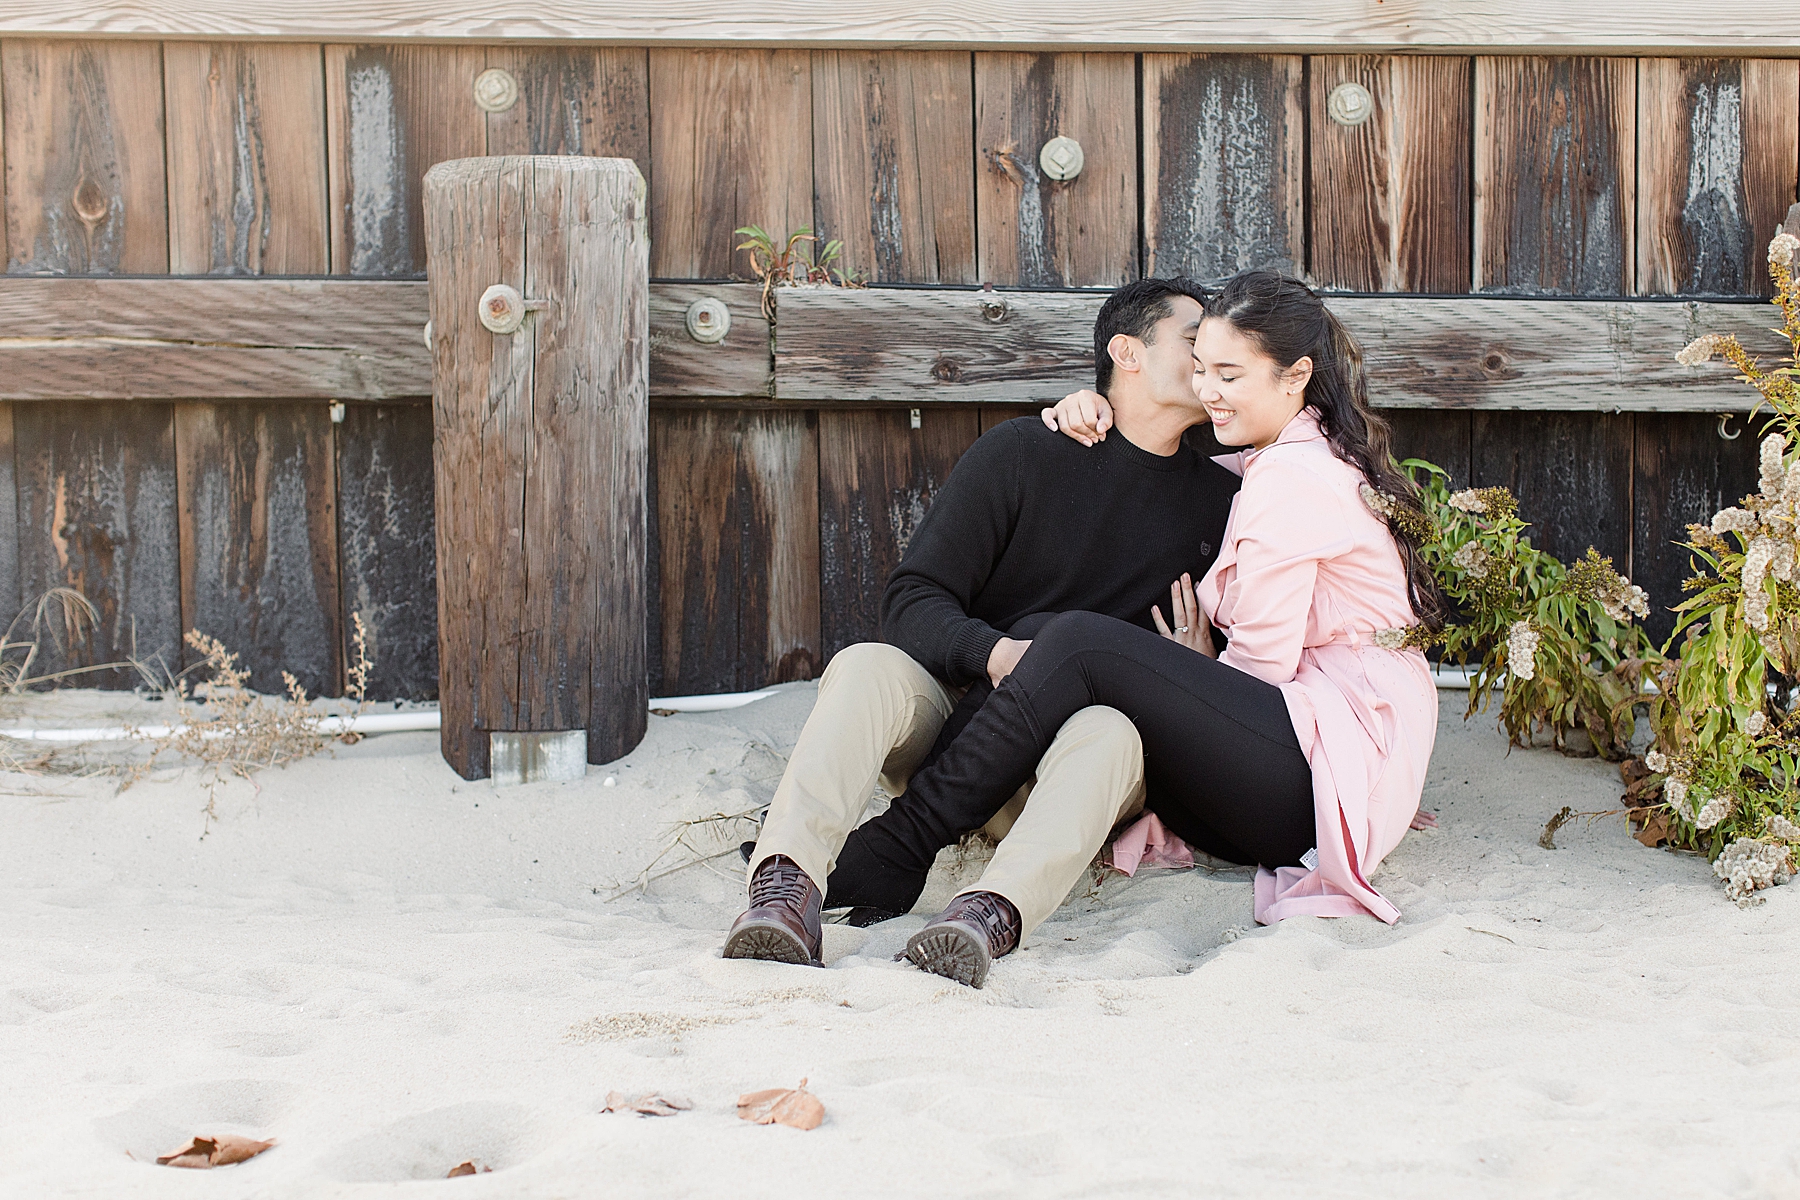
x: 699, y: 517
x: 1684, y: 472
x: 779, y: 598
x: 10, y: 597
x: 591, y: 100
x: 1571, y: 473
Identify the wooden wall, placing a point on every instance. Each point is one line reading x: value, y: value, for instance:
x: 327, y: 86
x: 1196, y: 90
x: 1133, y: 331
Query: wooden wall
x: 269, y: 525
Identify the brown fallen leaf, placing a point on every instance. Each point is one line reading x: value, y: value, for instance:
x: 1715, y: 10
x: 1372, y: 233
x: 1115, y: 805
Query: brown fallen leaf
x: 468, y: 1166
x: 649, y: 1105
x: 782, y: 1106
x: 1655, y: 830
x: 222, y: 1150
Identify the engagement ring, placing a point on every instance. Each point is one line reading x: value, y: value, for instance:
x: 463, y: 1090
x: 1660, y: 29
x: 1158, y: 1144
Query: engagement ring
x: 1181, y: 629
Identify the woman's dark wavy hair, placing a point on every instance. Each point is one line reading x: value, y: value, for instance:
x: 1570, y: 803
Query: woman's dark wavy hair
x: 1288, y: 322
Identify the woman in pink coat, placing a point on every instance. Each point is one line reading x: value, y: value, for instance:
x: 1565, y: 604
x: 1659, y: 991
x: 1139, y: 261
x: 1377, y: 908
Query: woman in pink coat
x: 1302, y: 746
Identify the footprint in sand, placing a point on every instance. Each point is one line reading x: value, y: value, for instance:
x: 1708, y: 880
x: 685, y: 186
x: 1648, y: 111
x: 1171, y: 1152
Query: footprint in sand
x: 160, y: 1122
x: 428, y: 1144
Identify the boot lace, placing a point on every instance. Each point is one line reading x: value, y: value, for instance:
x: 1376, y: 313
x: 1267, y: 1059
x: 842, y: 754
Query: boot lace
x: 780, y: 882
x: 998, y: 919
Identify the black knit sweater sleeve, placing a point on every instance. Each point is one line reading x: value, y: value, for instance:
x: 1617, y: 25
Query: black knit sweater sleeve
x: 925, y: 610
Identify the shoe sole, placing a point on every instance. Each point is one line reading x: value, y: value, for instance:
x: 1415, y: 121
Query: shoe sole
x: 769, y: 942
x: 951, y: 952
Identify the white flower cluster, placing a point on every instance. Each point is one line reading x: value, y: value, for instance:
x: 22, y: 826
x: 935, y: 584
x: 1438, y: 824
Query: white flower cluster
x: 1770, y: 473
x: 1783, y: 248
x: 1521, y: 650
x: 1712, y: 812
x: 1757, y: 561
x: 1630, y: 598
x: 1779, y: 826
x: 1756, y: 723
x: 1391, y: 639
x: 1468, y: 500
x: 1733, y: 520
x: 1379, y: 503
x: 1472, y: 559
x: 1700, y: 350
x: 1747, y: 866
x: 1657, y: 761
x: 1675, y: 791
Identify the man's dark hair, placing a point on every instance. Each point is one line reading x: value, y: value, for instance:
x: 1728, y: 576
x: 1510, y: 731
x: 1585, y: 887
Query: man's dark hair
x: 1134, y: 310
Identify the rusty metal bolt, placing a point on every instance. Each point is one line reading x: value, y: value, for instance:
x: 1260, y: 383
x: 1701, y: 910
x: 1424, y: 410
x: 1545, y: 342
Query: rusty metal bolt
x: 502, y: 309
x: 995, y: 309
x: 708, y: 320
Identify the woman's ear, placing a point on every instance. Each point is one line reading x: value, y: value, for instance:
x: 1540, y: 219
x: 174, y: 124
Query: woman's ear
x: 1124, y: 352
x: 1296, y: 377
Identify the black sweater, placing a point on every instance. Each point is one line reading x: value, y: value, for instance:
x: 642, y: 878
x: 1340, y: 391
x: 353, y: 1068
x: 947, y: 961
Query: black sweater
x: 1031, y: 521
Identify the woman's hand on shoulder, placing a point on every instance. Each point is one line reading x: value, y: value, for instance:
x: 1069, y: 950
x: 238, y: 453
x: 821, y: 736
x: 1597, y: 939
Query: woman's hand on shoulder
x: 1084, y: 416
x: 1191, y: 629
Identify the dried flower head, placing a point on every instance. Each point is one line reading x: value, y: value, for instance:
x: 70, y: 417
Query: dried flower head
x: 1657, y: 761
x: 1593, y: 578
x: 1733, y: 520
x: 1472, y: 559
x: 1488, y: 501
x: 1521, y: 650
x: 1747, y: 866
x: 1702, y: 349
x: 1756, y: 569
x: 1379, y: 503
x: 1702, y: 537
x: 1772, y: 472
x: 1783, y: 248
x: 1390, y: 639
x: 1712, y: 812
x: 1780, y: 827
x: 1675, y: 794
x: 1756, y: 723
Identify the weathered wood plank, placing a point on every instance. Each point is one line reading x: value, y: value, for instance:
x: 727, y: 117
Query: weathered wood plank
x: 1224, y: 181
x: 1719, y: 148
x: 699, y: 517
x: 10, y: 597
x: 1321, y: 26
x: 1440, y: 438
x: 391, y: 112
x: 290, y: 338
x: 246, y: 154
x: 85, y: 186
x: 1684, y: 472
x: 1571, y: 473
x: 97, y: 513
x: 1389, y: 198
x: 996, y: 348
x: 731, y: 143
x: 1554, y: 184
x: 387, y: 548
x: 779, y: 600
x: 574, y: 100
x: 1033, y: 231
x: 894, y: 159
x: 256, y: 491
x: 877, y: 476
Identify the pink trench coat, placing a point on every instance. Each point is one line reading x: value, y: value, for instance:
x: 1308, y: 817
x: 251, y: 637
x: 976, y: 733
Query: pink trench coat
x: 1306, y: 577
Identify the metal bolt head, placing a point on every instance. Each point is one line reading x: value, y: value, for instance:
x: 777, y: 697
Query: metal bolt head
x: 708, y: 320
x: 1061, y: 158
x: 496, y: 90
x: 1350, y: 104
x: 502, y: 309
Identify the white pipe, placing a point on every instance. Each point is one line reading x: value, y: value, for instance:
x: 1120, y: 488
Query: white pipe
x: 417, y: 721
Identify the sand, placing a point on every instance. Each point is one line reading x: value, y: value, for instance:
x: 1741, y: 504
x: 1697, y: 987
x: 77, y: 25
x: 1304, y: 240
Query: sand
x: 390, y: 970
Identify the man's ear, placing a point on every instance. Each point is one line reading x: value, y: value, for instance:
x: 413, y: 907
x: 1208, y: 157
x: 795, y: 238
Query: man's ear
x: 1296, y: 377
x: 1124, y: 351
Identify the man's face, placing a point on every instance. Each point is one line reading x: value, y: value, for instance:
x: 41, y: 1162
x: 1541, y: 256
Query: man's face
x: 1169, y: 354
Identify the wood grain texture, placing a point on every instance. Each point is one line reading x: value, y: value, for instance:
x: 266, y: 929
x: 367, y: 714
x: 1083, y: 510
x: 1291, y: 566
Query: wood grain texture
x: 1033, y: 231
x: 10, y: 597
x: 574, y: 100
x: 731, y: 143
x: 1304, y: 25
x: 294, y: 338
x: 1684, y: 472
x: 1571, y: 473
x: 894, y: 159
x: 391, y: 112
x: 246, y: 159
x: 97, y: 513
x: 85, y: 185
x: 996, y: 348
x: 877, y: 478
x: 1719, y: 148
x: 1554, y: 178
x: 540, y: 441
x: 387, y: 547
x: 1389, y: 199
x: 256, y: 491
x: 1224, y: 177
x: 779, y: 601
x: 1440, y: 438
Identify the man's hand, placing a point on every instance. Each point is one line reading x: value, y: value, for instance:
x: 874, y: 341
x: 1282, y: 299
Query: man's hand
x: 1004, y: 657
x: 1084, y: 416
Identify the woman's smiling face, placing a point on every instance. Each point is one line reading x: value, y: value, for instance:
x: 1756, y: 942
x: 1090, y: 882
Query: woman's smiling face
x: 1248, y: 395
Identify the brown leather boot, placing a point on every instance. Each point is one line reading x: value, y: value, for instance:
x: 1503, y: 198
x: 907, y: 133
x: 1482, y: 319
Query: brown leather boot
x: 782, y: 923
x: 963, y: 941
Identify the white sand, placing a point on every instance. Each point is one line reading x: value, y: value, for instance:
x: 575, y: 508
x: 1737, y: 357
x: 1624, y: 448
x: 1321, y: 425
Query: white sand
x: 380, y: 965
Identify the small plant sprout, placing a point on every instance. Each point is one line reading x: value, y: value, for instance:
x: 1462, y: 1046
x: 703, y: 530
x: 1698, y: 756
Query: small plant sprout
x: 793, y: 263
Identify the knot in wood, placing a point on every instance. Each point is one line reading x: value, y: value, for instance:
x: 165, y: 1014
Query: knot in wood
x: 995, y: 309
x: 502, y: 309
x: 945, y: 370
x: 89, y: 202
x: 1494, y: 361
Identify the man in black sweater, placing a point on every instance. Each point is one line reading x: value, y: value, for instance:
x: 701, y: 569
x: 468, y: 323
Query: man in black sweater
x: 1030, y: 524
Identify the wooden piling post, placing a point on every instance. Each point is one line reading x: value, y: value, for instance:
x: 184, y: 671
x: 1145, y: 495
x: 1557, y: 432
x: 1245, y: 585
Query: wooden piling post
x: 539, y: 287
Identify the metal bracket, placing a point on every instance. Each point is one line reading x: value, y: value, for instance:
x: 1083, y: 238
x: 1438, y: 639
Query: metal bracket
x: 1730, y: 437
x: 503, y: 310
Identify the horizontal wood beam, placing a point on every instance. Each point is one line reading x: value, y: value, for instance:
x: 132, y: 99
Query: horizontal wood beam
x: 345, y: 339
x: 1760, y: 27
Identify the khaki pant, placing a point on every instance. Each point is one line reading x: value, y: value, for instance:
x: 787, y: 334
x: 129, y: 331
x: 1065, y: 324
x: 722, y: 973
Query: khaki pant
x: 878, y: 714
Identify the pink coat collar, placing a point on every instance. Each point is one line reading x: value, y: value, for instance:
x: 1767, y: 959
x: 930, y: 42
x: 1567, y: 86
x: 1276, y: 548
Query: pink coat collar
x: 1303, y: 428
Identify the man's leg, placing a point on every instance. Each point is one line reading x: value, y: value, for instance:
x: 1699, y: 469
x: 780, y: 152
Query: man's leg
x: 877, y: 716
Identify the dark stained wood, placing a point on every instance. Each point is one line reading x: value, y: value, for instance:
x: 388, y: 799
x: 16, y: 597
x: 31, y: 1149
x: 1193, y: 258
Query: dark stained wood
x: 1684, y: 473
x: 574, y: 100
x: 1440, y: 438
x: 998, y: 414
x: 1223, y: 152
x: 1718, y: 151
x: 85, y: 187
x: 257, y: 493
x: 1554, y: 184
x: 246, y: 153
x: 699, y: 517
x: 731, y: 140
x: 835, y: 346
x: 1033, y: 231
x: 894, y: 157
x: 877, y: 477
x: 97, y: 513
x: 1571, y: 472
x: 539, y: 447
x: 779, y: 599
x: 391, y: 112
x: 1389, y: 199
x: 10, y: 598
x: 387, y: 550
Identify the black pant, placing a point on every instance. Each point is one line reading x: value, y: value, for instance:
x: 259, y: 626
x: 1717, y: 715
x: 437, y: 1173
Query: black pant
x: 1222, y: 766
